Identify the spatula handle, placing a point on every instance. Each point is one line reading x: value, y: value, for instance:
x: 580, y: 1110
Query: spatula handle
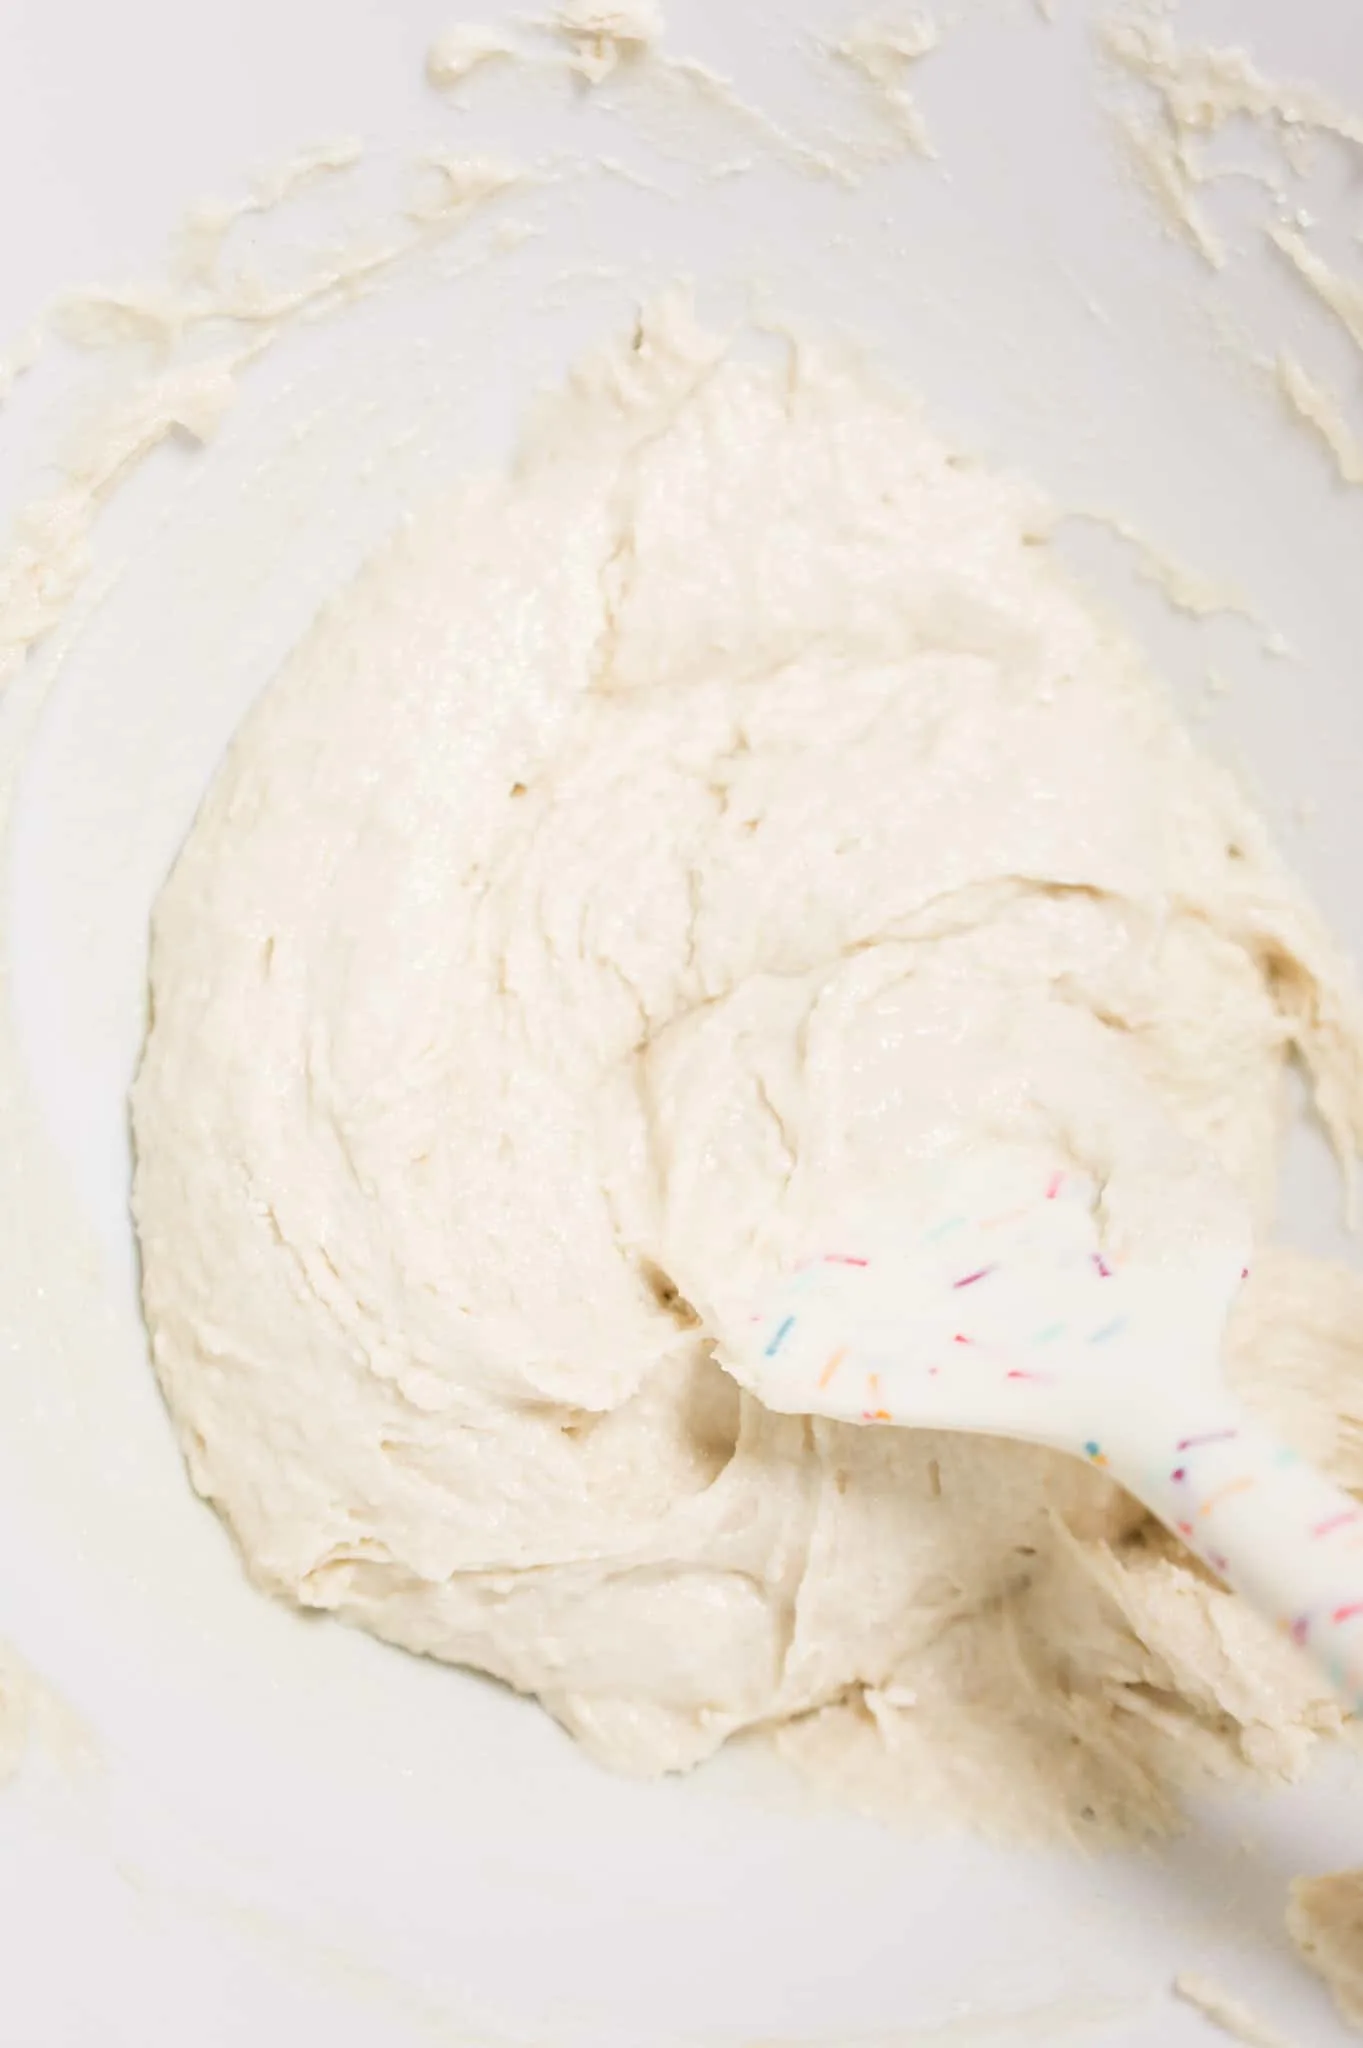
x: 1266, y: 1521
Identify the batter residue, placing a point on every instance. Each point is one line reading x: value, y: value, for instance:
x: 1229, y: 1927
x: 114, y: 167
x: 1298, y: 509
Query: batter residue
x: 735, y: 794
x: 1325, y: 1920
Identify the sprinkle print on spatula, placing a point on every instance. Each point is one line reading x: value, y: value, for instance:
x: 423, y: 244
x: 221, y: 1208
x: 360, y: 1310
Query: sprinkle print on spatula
x: 973, y: 1279
x: 996, y: 1303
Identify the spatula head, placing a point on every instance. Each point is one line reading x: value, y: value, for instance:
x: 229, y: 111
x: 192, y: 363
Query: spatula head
x: 1000, y: 1290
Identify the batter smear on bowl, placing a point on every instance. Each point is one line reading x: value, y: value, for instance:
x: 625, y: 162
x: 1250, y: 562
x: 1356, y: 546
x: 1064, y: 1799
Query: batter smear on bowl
x: 734, y: 795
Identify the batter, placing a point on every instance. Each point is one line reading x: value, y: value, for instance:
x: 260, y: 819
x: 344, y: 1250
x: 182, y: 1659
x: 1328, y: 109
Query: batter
x: 730, y: 798
x: 1325, y: 1920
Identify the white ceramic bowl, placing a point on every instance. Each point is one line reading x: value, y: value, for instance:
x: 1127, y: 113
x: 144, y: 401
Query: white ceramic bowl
x: 288, y: 1833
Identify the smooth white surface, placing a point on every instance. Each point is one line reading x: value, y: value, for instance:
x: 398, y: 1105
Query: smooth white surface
x: 292, y: 1829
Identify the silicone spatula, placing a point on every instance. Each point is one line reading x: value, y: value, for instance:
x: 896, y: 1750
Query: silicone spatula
x: 993, y: 1295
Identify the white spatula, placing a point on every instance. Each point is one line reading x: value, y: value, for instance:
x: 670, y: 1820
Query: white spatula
x: 995, y: 1296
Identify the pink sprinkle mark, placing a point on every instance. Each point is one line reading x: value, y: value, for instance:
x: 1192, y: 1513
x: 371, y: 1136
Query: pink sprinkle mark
x: 878, y: 1413
x: 971, y: 1278
x: 1017, y: 1373
x: 933, y: 1371
x: 1104, y: 1270
x: 1347, y: 1613
x: 1299, y: 1629
x: 843, y: 1259
x: 959, y: 1339
x: 1219, y: 1564
x: 1179, y: 1472
x: 1054, y: 1185
x: 1339, y: 1521
x: 1244, y: 1272
x: 1184, y: 1528
x: 1213, y: 1436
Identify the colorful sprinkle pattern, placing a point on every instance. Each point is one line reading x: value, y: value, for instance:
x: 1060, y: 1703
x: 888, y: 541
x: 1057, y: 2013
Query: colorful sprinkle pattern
x: 1040, y: 1338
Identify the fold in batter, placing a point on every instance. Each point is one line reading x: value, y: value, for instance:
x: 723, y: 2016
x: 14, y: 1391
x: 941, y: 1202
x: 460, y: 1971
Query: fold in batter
x: 733, y: 796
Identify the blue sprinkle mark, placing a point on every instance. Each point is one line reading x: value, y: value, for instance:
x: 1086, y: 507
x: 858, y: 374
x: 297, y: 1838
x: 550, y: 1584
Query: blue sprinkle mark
x: 779, y: 1339
x: 1108, y: 1330
x: 955, y: 1223
x: 1049, y: 1334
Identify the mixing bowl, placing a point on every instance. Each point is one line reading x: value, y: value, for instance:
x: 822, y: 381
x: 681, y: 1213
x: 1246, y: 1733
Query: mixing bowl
x: 232, y: 1824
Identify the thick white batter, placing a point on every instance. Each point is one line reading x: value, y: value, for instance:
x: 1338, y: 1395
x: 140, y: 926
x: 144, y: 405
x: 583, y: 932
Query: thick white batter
x: 732, y: 796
